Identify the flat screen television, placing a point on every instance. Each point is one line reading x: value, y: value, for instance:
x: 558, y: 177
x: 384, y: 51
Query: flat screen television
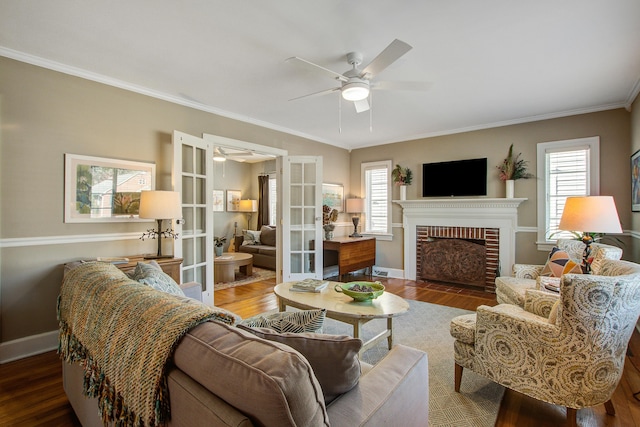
x: 455, y: 178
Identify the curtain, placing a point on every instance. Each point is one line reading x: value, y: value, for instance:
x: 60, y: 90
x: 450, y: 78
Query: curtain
x: 263, y: 200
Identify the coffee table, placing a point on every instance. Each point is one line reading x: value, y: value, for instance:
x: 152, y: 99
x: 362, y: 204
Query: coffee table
x: 344, y: 309
x: 224, y: 266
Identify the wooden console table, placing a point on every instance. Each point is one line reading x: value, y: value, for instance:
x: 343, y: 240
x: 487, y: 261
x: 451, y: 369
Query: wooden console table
x: 354, y: 253
x: 171, y: 266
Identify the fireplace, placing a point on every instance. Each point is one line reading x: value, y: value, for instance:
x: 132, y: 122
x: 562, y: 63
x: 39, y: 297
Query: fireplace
x: 481, y: 213
x: 461, y: 255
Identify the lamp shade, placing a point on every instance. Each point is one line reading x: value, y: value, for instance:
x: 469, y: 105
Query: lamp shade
x: 160, y: 205
x: 592, y: 214
x: 355, y: 205
x: 248, y: 205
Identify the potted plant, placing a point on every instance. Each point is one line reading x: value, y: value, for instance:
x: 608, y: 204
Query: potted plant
x: 219, y: 244
x: 402, y: 177
x: 329, y: 216
x: 512, y: 168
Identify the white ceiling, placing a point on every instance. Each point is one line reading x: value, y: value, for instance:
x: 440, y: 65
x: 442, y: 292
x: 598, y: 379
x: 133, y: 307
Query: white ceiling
x: 491, y: 62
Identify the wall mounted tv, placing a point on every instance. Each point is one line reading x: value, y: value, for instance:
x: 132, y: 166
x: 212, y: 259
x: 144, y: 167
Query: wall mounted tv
x: 455, y: 178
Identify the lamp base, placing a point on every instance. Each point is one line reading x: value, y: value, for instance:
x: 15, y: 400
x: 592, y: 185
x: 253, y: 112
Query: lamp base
x: 355, y: 220
x: 157, y: 256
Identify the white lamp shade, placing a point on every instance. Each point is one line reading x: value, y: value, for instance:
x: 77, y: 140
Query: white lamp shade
x: 160, y: 205
x: 592, y: 214
x: 248, y: 205
x: 355, y: 205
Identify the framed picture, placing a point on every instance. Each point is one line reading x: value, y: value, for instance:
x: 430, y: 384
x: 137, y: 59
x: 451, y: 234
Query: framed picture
x: 635, y: 181
x: 233, y: 198
x: 333, y: 196
x: 98, y: 189
x: 218, y: 200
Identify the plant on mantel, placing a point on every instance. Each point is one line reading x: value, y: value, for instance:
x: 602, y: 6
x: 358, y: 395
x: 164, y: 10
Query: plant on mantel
x: 513, y: 167
x: 401, y: 176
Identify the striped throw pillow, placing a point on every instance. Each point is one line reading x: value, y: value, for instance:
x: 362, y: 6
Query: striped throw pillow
x: 289, y: 321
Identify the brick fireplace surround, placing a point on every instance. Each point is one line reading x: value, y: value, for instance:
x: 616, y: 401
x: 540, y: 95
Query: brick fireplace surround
x: 457, y: 216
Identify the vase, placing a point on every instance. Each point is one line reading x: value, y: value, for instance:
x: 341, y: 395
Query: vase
x: 218, y: 250
x: 403, y: 192
x: 328, y: 231
x: 510, y: 185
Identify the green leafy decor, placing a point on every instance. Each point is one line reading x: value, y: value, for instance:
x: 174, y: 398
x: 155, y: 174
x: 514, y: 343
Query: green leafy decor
x: 401, y: 176
x: 513, y: 167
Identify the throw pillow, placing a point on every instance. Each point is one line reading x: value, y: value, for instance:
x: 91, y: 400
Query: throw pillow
x: 268, y: 235
x: 289, y: 321
x: 334, y: 358
x: 152, y: 275
x: 251, y: 237
x: 560, y: 263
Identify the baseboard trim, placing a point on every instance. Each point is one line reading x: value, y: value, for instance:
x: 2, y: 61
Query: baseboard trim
x: 28, y: 346
x: 390, y: 273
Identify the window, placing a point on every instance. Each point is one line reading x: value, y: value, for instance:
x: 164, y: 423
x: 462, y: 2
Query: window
x: 376, y: 179
x: 273, y: 199
x: 566, y: 168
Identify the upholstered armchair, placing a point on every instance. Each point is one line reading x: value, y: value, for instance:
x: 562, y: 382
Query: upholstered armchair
x: 574, y: 357
x: 511, y: 289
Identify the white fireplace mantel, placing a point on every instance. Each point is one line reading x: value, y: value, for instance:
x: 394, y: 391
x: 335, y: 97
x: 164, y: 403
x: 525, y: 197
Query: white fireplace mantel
x: 481, y: 212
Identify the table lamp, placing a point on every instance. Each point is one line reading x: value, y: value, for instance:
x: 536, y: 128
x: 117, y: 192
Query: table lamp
x: 248, y: 206
x: 355, y: 206
x: 160, y: 205
x: 590, y: 214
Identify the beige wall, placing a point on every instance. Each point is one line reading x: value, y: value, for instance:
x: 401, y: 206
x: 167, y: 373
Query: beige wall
x: 613, y: 128
x: 46, y: 114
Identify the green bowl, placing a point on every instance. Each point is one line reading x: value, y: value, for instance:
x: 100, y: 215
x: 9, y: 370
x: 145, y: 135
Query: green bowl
x: 346, y: 288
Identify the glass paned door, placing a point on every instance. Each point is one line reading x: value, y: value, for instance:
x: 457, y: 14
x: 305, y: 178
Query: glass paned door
x: 193, y: 178
x: 302, y: 217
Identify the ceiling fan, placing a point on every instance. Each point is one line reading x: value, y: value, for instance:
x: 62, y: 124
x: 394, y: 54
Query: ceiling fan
x: 356, y: 84
x: 220, y: 154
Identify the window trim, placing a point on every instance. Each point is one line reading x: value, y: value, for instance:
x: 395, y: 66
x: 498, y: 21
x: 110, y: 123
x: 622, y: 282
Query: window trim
x: 387, y: 164
x: 593, y: 143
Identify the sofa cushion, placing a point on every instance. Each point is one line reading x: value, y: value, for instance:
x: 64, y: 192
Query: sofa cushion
x: 267, y: 250
x: 334, y: 358
x: 249, y: 249
x: 268, y: 235
x: 560, y: 263
x: 269, y: 382
x: 151, y: 274
x: 289, y: 321
x: 251, y: 237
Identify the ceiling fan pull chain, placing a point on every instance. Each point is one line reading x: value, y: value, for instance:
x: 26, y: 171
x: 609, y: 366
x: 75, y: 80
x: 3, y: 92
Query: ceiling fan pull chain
x: 339, y: 114
x: 370, y: 112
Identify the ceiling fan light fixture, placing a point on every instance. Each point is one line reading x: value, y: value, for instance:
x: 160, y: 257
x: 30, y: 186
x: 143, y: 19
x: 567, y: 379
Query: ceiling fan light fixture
x: 219, y: 158
x: 355, y: 90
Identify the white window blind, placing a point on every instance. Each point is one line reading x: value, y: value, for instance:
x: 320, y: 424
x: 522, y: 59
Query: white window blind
x: 567, y: 168
x: 376, y: 179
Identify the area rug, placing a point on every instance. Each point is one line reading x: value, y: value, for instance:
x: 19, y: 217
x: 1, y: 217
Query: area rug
x: 242, y: 279
x: 426, y: 327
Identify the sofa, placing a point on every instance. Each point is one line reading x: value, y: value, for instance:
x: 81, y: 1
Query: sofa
x: 261, y: 244
x: 512, y: 289
x: 224, y: 374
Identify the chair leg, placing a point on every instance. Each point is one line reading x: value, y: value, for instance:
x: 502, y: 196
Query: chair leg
x: 458, y: 378
x: 608, y: 405
x: 572, y: 417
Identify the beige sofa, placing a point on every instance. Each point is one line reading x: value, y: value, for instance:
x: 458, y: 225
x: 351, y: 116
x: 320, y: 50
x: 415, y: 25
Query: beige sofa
x: 223, y: 375
x: 264, y: 253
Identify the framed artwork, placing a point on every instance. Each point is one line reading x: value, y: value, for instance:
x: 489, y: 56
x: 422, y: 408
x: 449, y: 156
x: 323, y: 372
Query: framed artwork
x: 333, y: 196
x: 218, y: 200
x: 635, y: 181
x: 98, y: 189
x: 233, y: 199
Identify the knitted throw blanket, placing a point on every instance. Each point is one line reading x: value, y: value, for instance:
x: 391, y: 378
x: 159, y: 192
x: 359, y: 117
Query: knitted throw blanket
x: 123, y: 333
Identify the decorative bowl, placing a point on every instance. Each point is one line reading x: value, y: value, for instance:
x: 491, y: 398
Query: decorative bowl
x: 348, y: 289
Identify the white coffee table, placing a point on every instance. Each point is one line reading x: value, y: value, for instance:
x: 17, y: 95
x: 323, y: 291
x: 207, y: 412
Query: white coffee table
x: 344, y: 309
x: 224, y: 266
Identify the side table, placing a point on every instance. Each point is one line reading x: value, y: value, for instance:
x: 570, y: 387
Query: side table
x: 171, y: 266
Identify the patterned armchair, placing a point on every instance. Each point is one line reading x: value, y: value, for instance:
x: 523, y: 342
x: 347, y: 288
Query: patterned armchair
x: 573, y: 358
x: 512, y: 289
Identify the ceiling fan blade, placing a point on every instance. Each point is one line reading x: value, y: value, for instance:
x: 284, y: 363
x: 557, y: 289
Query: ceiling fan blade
x: 362, y: 105
x: 417, y: 86
x: 316, y: 67
x: 322, y: 92
x: 388, y: 56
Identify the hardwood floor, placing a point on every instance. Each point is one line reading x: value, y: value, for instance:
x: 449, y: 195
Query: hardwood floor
x: 31, y: 392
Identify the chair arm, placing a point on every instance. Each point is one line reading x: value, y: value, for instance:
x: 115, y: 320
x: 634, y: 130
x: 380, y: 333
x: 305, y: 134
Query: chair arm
x: 527, y: 271
x: 539, y: 302
x: 192, y: 290
x: 394, y: 392
x: 508, y: 317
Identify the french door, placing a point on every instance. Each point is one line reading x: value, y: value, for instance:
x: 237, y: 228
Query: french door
x: 193, y: 178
